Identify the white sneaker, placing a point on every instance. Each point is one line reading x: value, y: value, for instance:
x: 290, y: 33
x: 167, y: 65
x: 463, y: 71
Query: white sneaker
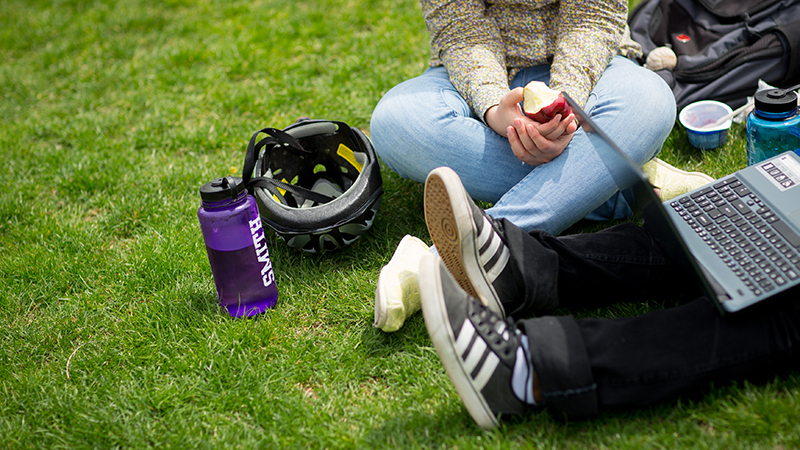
x: 397, y: 293
x: 671, y: 181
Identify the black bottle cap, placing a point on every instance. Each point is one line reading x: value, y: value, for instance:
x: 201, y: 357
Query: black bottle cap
x: 776, y: 101
x: 227, y: 188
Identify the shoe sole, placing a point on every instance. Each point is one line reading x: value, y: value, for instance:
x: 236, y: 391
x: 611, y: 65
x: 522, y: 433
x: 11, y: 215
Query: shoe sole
x: 445, y: 209
x: 444, y: 341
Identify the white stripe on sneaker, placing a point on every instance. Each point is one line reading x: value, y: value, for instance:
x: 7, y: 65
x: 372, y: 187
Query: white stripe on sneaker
x: 494, y: 246
x: 491, y: 262
x: 486, y: 370
x: 485, y: 235
x: 472, y: 356
x: 464, y: 337
x: 472, y: 360
x: 499, y: 265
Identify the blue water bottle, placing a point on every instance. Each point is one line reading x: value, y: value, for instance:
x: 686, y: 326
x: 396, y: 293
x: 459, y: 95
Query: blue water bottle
x: 773, y: 127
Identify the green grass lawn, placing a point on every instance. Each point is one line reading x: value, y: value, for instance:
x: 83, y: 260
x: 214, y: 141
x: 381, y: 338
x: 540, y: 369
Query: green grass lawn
x: 112, y: 114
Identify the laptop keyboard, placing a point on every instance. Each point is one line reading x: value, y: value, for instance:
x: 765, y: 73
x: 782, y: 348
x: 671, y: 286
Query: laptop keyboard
x: 750, y: 239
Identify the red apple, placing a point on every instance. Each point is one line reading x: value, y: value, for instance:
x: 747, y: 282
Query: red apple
x: 541, y: 103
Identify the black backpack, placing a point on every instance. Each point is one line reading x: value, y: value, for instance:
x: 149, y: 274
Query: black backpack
x: 723, y: 46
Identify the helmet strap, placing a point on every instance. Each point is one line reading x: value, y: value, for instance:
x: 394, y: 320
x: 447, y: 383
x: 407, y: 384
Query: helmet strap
x: 276, y: 137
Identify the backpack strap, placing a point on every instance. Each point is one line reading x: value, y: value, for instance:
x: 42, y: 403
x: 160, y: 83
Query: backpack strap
x: 790, y: 38
x: 767, y: 46
x: 730, y: 9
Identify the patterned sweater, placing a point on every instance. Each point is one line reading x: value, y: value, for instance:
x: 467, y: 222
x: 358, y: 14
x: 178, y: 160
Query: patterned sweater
x: 483, y: 45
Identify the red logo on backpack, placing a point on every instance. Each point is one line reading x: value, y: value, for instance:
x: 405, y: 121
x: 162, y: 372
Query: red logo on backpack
x: 683, y: 38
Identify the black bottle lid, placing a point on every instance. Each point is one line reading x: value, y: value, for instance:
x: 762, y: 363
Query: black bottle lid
x: 226, y: 188
x: 776, y: 101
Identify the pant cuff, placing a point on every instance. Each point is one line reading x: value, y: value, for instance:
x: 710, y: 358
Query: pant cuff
x: 562, y: 366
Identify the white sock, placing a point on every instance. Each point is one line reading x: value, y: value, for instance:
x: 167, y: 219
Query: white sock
x: 522, y: 377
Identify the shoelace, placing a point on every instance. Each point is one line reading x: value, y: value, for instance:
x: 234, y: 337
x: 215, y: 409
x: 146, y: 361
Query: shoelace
x: 500, y: 334
x: 504, y: 338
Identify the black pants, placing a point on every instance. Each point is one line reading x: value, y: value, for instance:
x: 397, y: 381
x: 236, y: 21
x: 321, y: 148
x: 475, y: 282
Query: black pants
x: 585, y: 366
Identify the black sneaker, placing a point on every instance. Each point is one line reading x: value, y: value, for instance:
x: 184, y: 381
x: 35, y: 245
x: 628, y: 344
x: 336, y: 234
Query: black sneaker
x: 477, y: 347
x: 468, y: 241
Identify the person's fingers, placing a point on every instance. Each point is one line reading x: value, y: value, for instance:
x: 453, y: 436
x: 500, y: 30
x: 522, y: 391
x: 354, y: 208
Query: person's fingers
x: 522, y: 133
x: 542, y: 143
x: 513, y: 97
x: 523, y: 154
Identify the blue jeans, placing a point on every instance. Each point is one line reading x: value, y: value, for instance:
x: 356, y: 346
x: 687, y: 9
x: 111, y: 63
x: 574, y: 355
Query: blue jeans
x: 424, y: 123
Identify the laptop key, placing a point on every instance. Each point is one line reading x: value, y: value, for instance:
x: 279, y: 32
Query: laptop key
x: 741, y: 206
x: 738, y: 227
x: 728, y: 211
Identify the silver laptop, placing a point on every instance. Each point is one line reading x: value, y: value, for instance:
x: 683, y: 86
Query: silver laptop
x: 740, y: 235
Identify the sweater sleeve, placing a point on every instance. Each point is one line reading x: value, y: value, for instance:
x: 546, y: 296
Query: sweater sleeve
x: 588, y: 36
x: 467, y: 42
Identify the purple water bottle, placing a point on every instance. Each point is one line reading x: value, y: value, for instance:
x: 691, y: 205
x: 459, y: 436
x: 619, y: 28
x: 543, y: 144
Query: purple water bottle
x: 237, y: 248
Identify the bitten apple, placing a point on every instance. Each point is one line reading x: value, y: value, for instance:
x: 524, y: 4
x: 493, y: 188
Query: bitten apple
x: 541, y: 103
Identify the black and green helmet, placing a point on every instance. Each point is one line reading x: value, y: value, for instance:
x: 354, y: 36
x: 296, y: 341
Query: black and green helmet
x: 317, y: 183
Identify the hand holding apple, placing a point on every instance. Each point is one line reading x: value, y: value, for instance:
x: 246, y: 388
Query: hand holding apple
x: 541, y: 103
x: 531, y: 142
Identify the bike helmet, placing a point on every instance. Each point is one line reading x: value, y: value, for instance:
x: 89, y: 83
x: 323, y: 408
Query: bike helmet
x: 317, y: 183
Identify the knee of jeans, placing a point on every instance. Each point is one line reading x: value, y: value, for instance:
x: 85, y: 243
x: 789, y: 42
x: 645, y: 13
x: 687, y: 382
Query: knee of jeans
x: 394, y: 136
x: 378, y: 120
x: 643, y: 87
x: 382, y: 136
x: 648, y: 101
x: 662, y: 117
x: 657, y: 95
